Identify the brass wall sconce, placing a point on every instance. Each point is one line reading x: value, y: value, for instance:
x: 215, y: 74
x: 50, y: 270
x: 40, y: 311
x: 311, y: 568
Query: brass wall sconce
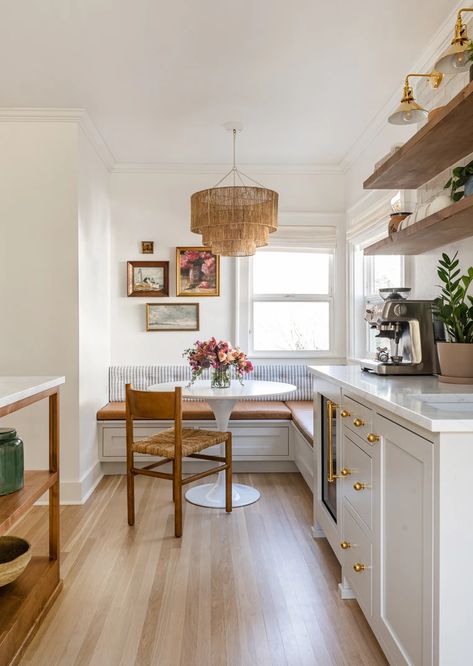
x: 456, y: 58
x: 409, y: 111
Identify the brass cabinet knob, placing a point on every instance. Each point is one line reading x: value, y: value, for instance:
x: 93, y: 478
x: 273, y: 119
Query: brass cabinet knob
x: 358, y: 423
x: 358, y: 567
x: 372, y: 438
x: 344, y: 413
x: 359, y: 486
x: 345, y: 545
x: 343, y: 473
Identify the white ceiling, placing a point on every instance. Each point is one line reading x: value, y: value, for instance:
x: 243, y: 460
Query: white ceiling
x: 160, y: 78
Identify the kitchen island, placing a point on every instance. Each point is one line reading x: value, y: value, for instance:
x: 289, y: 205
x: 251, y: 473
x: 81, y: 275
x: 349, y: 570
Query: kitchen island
x: 394, y: 496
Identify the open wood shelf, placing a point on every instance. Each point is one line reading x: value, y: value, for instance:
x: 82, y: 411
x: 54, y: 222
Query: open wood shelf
x: 436, y: 146
x: 15, y: 505
x: 24, y: 602
x: 442, y: 228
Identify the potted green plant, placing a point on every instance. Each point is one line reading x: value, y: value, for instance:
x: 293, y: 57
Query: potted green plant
x: 454, y: 307
x: 462, y: 176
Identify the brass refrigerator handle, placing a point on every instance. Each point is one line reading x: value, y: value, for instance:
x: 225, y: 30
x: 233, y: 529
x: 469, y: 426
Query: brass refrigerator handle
x: 331, y: 406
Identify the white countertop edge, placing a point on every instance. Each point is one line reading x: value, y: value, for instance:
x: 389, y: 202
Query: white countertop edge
x: 13, y: 389
x: 443, y: 425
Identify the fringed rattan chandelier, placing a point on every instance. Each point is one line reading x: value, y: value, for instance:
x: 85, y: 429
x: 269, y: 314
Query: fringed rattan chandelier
x: 234, y: 219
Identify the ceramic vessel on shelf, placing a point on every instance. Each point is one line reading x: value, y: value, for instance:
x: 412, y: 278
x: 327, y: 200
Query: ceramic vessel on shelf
x: 442, y: 201
x: 468, y: 189
x: 395, y: 220
x: 15, y: 554
x: 11, y: 461
x: 456, y: 362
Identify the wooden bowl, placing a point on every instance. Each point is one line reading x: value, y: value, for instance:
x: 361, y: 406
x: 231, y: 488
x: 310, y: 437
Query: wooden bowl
x: 15, y: 554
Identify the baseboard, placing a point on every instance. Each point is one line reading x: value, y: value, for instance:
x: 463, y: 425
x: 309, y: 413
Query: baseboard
x: 317, y: 532
x: 190, y: 466
x: 78, y: 492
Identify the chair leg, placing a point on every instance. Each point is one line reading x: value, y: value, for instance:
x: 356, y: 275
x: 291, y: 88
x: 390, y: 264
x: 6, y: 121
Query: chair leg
x: 130, y: 488
x: 228, y: 475
x: 173, y: 484
x: 177, y: 493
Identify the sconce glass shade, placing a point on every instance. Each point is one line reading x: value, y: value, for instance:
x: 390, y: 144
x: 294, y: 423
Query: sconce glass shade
x: 407, y: 113
x: 455, y: 59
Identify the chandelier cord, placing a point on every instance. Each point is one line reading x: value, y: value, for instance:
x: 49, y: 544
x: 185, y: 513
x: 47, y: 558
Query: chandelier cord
x: 235, y: 171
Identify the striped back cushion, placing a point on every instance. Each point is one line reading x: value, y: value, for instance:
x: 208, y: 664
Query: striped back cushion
x: 142, y: 376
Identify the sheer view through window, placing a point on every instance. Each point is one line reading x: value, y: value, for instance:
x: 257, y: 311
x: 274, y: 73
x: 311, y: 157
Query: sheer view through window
x: 291, y: 301
x: 381, y: 271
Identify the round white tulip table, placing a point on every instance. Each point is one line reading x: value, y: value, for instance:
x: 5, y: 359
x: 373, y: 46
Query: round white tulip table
x: 222, y: 402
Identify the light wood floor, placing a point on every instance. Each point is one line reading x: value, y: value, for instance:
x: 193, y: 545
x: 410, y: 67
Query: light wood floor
x: 251, y: 587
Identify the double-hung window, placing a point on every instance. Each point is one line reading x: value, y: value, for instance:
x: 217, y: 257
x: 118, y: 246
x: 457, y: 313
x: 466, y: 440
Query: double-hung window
x: 291, y: 302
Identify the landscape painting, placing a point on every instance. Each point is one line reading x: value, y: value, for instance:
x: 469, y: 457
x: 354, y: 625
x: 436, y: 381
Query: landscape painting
x: 148, y: 278
x: 172, y: 316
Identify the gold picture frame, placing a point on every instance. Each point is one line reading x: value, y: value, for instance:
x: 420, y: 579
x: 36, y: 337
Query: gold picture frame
x: 197, y: 272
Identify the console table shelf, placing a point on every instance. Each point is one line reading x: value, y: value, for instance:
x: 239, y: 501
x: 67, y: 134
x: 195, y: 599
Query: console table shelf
x: 24, y: 602
x: 436, y: 146
x: 446, y: 226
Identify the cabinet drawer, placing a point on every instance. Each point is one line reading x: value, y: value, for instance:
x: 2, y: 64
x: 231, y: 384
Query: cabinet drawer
x: 356, y: 417
x: 359, y: 552
x: 360, y: 465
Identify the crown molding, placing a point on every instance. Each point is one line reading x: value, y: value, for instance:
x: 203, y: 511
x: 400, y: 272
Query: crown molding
x: 80, y: 117
x: 440, y: 41
x: 220, y: 169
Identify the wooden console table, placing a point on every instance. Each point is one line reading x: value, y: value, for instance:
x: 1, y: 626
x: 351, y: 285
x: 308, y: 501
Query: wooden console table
x: 24, y: 602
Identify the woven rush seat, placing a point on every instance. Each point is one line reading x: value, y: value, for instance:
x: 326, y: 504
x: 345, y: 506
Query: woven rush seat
x: 193, y: 441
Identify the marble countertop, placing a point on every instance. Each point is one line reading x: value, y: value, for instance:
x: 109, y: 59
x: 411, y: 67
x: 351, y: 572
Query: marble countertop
x: 13, y: 389
x: 423, y: 400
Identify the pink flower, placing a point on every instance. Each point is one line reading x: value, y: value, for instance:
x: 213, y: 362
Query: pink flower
x: 222, y: 356
x: 204, y: 285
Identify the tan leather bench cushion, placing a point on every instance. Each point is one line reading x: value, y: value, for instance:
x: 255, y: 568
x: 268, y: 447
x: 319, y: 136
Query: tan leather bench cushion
x: 244, y: 410
x: 303, y: 417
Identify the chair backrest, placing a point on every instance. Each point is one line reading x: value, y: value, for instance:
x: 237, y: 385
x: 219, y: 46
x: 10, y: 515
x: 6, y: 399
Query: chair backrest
x: 156, y: 405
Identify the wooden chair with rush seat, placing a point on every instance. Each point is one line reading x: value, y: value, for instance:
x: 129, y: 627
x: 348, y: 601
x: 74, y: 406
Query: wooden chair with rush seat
x: 172, y: 444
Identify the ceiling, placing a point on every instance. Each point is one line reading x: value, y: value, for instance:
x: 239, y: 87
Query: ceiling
x: 160, y: 78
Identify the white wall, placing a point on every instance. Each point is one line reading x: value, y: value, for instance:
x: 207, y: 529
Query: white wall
x: 39, y: 277
x: 156, y: 206
x: 94, y: 305
x: 54, y: 282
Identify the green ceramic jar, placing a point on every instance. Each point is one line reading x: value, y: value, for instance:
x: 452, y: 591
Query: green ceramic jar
x: 11, y: 461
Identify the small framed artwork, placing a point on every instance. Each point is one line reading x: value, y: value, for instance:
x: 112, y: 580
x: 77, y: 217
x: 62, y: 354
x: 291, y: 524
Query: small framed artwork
x: 197, y: 272
x: 147, y: 247
x: 148, y: 278
x: 172, y: 316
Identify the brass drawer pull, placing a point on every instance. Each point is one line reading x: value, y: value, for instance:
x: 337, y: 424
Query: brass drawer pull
x: 358, y: 567
x: 345, y: 545
x: 344, y: 413
x: 359, y: 486
x: 358, y: 423
x: 372, y: 438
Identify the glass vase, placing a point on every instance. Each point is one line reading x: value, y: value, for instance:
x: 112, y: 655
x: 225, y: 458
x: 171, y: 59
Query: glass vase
x: 220, y: 378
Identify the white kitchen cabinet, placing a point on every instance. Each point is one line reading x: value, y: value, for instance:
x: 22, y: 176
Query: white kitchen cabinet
x: 403, y: 543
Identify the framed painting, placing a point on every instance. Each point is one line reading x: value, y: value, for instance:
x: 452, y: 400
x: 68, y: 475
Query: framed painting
x: 148, y: 278
x: 197, y: 272
x: 172, y: 316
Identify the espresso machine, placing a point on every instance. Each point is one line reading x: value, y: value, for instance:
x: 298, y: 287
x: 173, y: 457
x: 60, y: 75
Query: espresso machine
x: 410, y: 329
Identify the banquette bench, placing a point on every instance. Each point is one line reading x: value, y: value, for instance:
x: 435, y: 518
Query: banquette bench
x: 273, y: 434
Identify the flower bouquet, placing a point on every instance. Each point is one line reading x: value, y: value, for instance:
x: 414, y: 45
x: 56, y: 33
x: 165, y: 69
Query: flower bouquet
x: 221, y: 357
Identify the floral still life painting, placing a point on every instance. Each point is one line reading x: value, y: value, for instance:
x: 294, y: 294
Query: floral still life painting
x: 197, y: 272
x: 148, y: 278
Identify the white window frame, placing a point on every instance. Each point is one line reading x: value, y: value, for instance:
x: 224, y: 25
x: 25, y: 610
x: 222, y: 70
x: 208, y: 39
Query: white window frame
x: 357, y: 263
x: 245, y: 299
